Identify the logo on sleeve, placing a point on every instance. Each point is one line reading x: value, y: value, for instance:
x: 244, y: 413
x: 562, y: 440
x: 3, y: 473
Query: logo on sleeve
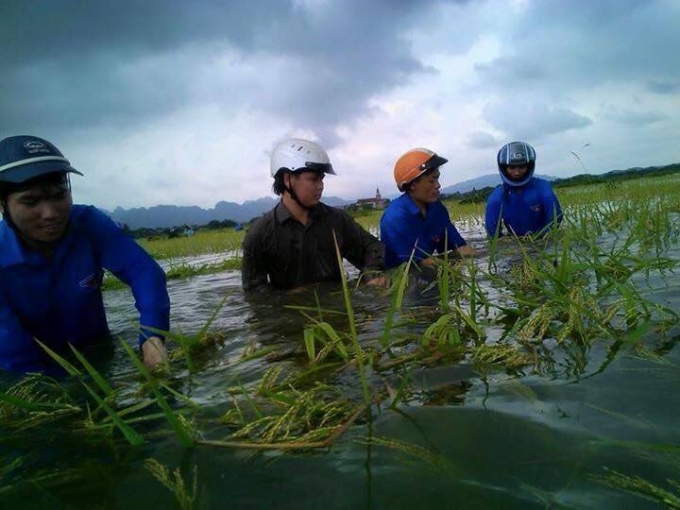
x: 92, y: 281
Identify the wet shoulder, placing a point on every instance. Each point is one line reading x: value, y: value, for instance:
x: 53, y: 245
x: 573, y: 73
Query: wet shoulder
x: 262, y: 224
x: 397, y: 209
x: 496, y: 194
x: 541, y: 185
x: 333, y: 214
x: 89, y: 217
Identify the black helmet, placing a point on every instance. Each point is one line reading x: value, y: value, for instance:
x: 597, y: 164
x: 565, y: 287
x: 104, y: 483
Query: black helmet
x: 516, y: 154
x: 23, y: 158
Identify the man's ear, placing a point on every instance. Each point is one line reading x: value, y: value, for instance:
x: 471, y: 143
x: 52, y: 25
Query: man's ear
x: 286, y: 179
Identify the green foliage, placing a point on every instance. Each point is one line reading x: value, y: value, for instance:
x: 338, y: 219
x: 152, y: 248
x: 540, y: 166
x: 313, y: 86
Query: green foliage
x: 185, y: 492
x: 670, y: 497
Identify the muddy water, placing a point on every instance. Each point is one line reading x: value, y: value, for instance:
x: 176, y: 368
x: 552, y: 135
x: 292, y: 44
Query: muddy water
x: 533, y: 439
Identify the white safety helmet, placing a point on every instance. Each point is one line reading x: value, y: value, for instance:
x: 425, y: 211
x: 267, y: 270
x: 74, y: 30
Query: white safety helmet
x: 295, y: 154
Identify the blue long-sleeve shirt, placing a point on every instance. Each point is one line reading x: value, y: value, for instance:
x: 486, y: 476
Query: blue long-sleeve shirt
x: 403, y: 228
x: 527, y: 209
x: 59, y: 301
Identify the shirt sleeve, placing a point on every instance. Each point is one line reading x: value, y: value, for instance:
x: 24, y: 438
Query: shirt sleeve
x: 363, y: 250
x: 128, y: 261
x: 493, y: 216
x: 552, y: 207
x: 254, y: 273
x: 397, y: 234
x: 18, y: 350
x: 451, y: 238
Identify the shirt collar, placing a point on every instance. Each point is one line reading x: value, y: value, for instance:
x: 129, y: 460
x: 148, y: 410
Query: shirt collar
x: 281, y: 214
x: 411, y: 205
x: 14, y: 252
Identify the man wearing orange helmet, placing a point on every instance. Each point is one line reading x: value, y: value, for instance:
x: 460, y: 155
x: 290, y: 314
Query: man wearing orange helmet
x: 417, y: 222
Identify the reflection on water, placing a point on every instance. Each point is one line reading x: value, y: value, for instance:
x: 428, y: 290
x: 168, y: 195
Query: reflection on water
x: 532, y: 438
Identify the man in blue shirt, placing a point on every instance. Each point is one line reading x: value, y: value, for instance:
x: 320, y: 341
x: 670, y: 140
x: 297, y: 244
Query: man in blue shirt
x: 523, y: 204
x: 417, y: 222
x: 52, y: 260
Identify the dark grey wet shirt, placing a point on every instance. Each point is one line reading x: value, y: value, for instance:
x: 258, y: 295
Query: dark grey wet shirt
x: 280, y: 251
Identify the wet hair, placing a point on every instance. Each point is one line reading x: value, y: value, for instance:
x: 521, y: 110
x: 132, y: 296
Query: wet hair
x: 279, y: 187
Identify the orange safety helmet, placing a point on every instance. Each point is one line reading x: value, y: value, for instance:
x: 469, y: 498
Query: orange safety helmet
x: 413, y: 164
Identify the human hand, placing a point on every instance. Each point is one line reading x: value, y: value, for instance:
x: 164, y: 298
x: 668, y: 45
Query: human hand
x: 382, y: 281
x: 466, y: 251
x: 428, y: 262
x: 154, y: 353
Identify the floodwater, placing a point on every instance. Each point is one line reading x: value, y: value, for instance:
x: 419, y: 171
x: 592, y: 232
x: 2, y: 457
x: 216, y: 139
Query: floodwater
x: 526, y: 439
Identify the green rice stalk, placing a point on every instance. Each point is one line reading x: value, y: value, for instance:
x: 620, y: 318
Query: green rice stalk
x: 170, y: 416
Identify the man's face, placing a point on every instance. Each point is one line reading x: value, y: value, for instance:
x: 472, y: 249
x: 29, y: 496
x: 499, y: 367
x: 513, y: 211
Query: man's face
x: 425, y: 190
x: 517, y: 173
x: 308, y: 186
x: 41, y: 212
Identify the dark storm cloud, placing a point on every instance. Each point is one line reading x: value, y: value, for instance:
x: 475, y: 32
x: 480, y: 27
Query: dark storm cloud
x: 664, y: 87
x: 562, y: 45
x: 73, y: 65
x: 631, y: 117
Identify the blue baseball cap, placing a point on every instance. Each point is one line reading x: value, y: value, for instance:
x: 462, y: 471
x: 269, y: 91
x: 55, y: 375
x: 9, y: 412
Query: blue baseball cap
x: 24, y: 157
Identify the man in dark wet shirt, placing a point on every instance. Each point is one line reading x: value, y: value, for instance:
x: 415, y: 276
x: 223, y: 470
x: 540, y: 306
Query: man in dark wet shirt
x: 293, y: 245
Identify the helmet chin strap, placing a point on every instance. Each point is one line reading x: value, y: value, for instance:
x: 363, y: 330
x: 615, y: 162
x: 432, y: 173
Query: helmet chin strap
x: 293, y: 195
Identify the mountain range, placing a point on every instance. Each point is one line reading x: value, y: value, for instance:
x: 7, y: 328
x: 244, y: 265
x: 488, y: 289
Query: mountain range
x: 166, y: 216
x: 482, y: 182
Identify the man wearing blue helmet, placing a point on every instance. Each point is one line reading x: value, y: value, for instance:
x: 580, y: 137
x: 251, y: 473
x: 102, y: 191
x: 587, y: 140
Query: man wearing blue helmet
x: 523, y: 204
x: 52, y: 260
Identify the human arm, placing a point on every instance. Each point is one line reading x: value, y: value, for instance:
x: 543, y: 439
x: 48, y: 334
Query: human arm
x: 492, y: 216
x: 450, y: 239
x: 551, y: 212
x: 254, y: 274
x: 552, y: 208
x: 19, y: 352
x: 128, y: 261
x: 400, y: 233
x: 363, y: 250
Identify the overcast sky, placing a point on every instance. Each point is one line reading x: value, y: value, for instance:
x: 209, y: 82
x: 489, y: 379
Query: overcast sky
x: 180, y: 102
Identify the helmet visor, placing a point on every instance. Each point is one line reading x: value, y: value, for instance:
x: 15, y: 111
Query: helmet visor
x: 434, y: 162
x: 325, y: 168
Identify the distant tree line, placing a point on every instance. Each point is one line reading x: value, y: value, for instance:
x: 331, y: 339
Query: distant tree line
x: 147, y: 233
x: 469, y: 197
x: 481, y: 195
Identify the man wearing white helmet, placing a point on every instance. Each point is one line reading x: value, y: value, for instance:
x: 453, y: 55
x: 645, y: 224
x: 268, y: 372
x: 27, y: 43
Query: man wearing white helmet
x: 52, y: 260
x: 293, y: 244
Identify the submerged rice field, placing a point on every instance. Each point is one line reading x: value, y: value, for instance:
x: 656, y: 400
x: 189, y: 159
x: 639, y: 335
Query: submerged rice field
x: 542, y: 374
